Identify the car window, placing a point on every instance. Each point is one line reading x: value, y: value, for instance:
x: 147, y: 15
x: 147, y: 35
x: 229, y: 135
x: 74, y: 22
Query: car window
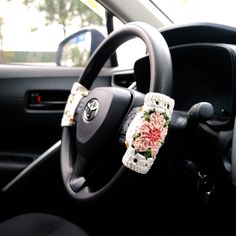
x: 184, y: 11
x: 130, y: 51
x: 31, y: 30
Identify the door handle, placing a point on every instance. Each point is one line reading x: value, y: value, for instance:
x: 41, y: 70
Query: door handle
x: 46, y: 99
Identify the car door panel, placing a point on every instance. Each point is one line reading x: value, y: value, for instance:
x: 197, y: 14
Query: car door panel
x: 29, y: 126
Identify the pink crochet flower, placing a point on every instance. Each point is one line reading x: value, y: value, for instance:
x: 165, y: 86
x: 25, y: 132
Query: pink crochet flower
x: 150, y: 134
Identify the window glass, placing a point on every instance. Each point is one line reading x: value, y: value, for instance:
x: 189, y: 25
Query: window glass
x: 130, y: 51
x: 31, y: 30
x: 185, y: 11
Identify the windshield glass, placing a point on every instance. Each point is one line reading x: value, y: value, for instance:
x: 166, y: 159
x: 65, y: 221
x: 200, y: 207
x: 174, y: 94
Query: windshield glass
x: 185, y: 11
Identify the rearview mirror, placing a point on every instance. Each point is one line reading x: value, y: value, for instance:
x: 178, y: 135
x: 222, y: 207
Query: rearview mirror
x: 75, y: 50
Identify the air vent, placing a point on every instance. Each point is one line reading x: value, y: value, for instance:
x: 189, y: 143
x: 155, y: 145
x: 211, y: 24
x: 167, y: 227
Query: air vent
x: 123, y: 79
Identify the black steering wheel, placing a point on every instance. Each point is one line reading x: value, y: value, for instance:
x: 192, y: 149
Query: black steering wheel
x: 97, y: 131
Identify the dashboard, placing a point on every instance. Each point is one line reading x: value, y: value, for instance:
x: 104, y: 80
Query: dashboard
x: 204, y: 73
x: 204, y: 69
x: 204, y: 65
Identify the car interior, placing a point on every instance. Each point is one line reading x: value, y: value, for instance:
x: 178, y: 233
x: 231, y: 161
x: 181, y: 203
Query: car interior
x: 69, y: 179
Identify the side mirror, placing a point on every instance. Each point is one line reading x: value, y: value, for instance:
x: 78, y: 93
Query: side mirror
x: 76, y: 49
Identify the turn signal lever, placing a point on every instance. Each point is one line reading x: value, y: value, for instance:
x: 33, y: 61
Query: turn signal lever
x: 198, y: 113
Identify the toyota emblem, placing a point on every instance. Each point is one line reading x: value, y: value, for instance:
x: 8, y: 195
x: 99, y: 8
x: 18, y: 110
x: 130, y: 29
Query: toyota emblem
x: 91, y: 110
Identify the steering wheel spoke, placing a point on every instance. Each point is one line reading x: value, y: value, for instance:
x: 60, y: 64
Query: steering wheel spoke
x: 82, y: 173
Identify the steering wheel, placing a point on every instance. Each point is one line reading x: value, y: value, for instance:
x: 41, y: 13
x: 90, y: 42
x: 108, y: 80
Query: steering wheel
x: 101, y: 114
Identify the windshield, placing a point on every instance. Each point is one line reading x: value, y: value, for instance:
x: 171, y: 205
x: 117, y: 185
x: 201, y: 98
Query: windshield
x: 185, y: 11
